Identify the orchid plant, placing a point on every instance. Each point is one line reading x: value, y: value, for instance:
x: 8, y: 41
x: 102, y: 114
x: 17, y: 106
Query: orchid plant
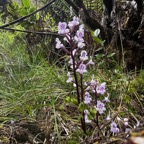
x: 88, y: 93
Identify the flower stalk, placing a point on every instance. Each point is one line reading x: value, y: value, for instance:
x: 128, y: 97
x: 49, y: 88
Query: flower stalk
x: 79, y: 62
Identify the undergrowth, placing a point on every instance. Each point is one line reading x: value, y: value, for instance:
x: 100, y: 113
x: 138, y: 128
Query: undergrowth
x: 36, y: 91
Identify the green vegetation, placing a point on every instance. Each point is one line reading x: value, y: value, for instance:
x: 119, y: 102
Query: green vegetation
x: 35, y: 98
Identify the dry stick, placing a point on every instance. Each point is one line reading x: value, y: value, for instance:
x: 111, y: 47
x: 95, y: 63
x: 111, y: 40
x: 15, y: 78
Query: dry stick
x: 34, y: 32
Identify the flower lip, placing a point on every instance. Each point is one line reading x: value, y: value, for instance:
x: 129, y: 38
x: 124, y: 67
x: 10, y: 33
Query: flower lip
x: 59, y: 44
x: 81, y: 45
x: 62, y: 28
x: 83, y: 55
x: 114, y: 127
x: 82, y: 68
x: 73, y: 23
x: 80, y: 33
x: 100, y: 89
x: 100, y: 107
x: 76, y: 20
x: 87, y: 98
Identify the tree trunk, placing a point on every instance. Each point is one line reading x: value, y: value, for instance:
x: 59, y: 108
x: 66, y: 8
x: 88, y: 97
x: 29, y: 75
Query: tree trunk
x: 122, y: 28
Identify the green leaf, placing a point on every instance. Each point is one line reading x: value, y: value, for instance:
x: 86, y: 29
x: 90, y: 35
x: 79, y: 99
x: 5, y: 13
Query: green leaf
x: 61, y: 107
x: 99, y: 55
x: 32, y: 9
x: 26, y: 3
x: 92, y: 111
x: 82, y: 107
x: 37, y: 16
x: 15, y: 5
x: 68, y: 99
x: 111, y: 55
x: 98, y: 49
x: 74, y: 101
x: 96, y: 32
x: 98, y: 40
x: 23, y: 12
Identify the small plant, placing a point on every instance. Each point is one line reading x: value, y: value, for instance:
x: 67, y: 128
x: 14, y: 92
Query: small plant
x: 91, y: 97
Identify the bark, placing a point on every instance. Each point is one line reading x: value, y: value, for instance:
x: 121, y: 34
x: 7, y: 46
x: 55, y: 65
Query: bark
x: 122, y: 28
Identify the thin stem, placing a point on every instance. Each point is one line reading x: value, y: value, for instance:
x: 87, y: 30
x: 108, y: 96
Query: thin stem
x: 82, y: 91
x: 79, y: 97
x: 82, y: 99
x: 83, y: 123
x: 97, y: 115
x: 75, y: 76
